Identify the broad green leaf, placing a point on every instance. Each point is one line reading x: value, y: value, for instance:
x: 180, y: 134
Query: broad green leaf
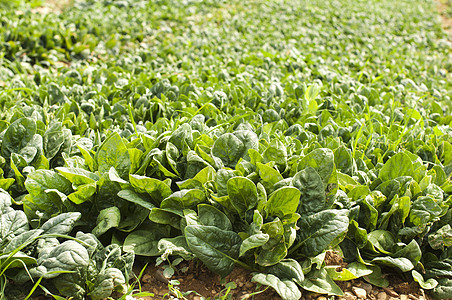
x: 133, y: 197
x: 288, y: 269
x: 242, y: 194
x: 67, y: 256
x: 412, y: 251
x: 282, y: 202
x: 166, y: 216
x: 144, y: 240
x: 404, y: 264
x: 175, y: 246
x: 322, y: 160
x: 443, y: 290
x: 229, y: 149
x: 218, y: 249
x: 83, y: 193
x: 313, y: 197
x: 429, y: 284
x: 78, y: 176
x: 113, y: 153
x: 211, y: 216
x: 107, y: 218
x: 158, y: 190
x: 12, y: 223
x: 287, y: 289
x: 398, y: 165
x: 321, y: 230
x: 268, y: 174
x: 318, y: 281
x: 277, y: 152
x: 382, y: 240
x: 184, y: 199
x: 37, y: 184
x: 106, y: 282
x: 61, y: 224
x: 253, y: 241
x: 18, y: 260
x: 17, y: 136
x: 441, y: 238
x: 275, y: 249
x: 424, y: 210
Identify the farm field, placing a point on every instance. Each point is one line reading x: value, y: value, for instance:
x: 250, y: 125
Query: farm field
x: 299, y: 148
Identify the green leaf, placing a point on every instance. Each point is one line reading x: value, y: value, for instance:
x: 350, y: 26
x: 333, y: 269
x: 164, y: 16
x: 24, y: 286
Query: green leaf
x: 133, y: 197
x: 184, y: 199
x: 313, y: 197
x: 113, y: 153
x: 382, y: 240
x: 322, y: 160
x: 441, y: 238
x: 61, y: 224
x: 398, y: 165
x: 282, y: 202
x: 321, y: 230
x: 67, y: 256
x: 83, y: 193
x: 107, y: 218
x: 37, y: 184
x: 175, y: 246
x: 424, y: 210
x: 144, y: 240
x: 287, y: 289
x: 53, y: 139
x: 288, y: 269
x: 268, y: 174
x: 20, y: 133
x: 229, y: 149
x: 425, y: 284
x: 253, y: 241
x: 106, y: 282
x: 318, y: 281
x: 275, y: 249
x: 12, y: 223
x: 166, y: 216
x: 242, y: 194
x: 211, y: 216
x: 218, y: 249
x: 443, y: 290
x: 158, y: 190
x: 404, y: 264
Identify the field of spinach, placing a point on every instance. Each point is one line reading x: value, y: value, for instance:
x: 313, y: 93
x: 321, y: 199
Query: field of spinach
x: 247, y: 133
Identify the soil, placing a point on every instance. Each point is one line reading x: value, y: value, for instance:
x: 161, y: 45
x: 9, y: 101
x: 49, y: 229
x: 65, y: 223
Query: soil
x: 197, y: 282
x: 443, y: 8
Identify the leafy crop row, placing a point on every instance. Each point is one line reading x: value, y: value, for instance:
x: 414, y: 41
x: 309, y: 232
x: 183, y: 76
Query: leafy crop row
x: 242, y: 133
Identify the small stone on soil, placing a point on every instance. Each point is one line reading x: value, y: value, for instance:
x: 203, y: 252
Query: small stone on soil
x: 391, y: 292
x: 359, y: 292
x: 366, y: 286
x: 347, y: 296
x: 382, y: 296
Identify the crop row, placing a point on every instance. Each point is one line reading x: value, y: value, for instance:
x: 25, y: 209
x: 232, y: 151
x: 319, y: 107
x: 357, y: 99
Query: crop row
x: 242, y: 133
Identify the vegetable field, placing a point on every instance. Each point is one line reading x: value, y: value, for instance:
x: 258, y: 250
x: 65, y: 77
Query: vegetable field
x: 254, y: 134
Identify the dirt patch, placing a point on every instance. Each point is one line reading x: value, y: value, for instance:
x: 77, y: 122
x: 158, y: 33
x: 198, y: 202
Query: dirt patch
x: 53, y: 6
x: 196, y: 281
x: 444, y: 9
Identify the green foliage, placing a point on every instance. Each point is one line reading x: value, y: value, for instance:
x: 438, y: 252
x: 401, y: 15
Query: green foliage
x: 214, y: 131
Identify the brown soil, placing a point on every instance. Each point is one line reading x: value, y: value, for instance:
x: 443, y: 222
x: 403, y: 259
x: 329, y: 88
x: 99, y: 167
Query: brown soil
x: 443, y: 7
x: 53, y: 6
x: 196, y: 281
